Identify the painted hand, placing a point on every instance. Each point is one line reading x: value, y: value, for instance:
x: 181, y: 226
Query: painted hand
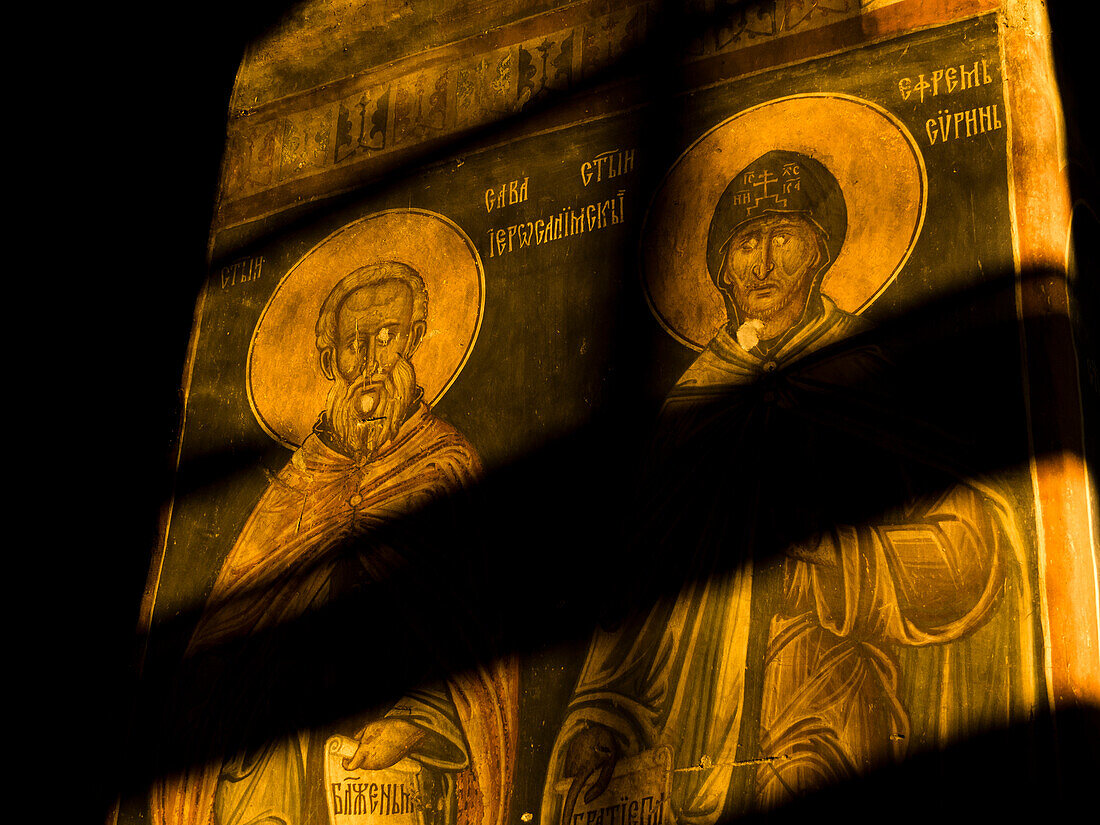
x: 593, y: 752
x: 819, y: 549
x: 384, y: 743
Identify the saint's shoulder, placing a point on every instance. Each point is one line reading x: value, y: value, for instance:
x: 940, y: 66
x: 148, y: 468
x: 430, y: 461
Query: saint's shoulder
x: 428, y: 434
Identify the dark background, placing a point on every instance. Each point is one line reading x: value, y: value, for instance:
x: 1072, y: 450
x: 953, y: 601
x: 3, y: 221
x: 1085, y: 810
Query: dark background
x: 149, y: 125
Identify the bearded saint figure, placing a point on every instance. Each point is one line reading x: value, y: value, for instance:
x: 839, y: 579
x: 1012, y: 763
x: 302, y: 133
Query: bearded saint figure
x: 843, y: 592
x: 375, y: 454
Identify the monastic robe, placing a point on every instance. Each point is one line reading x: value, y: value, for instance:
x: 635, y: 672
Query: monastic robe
x: 768, y: 672
x: 282, y: 565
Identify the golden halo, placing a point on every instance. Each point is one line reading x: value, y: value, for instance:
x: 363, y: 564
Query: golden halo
x: 286, y: 387
x: 872, y: 155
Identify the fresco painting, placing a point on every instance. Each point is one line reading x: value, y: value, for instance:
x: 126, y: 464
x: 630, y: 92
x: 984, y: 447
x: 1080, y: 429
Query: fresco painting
x: 857, y: 615
x: 373, y: 453
x: 819, y: 582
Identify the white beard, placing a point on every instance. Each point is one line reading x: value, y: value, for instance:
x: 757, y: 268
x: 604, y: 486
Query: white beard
x: 364, y: 418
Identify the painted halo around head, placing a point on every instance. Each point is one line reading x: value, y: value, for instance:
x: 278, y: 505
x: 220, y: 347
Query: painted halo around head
x: 869, y: 152
x: 286, y: 387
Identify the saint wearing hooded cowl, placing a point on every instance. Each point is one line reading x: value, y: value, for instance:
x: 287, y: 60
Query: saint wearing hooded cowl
x: 825, y: 589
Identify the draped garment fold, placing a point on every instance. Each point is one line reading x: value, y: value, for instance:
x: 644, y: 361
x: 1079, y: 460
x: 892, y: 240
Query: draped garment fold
x: 281, y: 567
x: 771, y: 672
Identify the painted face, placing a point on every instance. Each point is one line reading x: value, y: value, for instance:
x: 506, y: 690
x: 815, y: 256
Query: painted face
x: 770, y: 263
x: 373, y: 330
x: 373, y: 378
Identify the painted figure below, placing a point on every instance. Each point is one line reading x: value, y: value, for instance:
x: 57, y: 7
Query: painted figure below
x: 837, y: 599
x: 376, y: 453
